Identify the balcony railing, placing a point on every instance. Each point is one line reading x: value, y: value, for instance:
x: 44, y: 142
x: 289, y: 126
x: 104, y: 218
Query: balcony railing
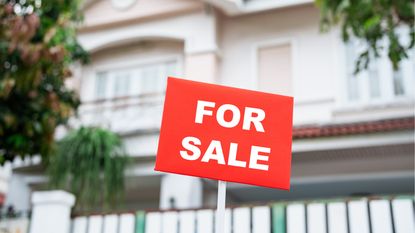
x: 360, y: 215
x: 124, y: 114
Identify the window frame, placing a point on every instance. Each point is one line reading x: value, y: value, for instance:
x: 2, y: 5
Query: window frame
x: 385, y: 71
x: 129, y: 65
x: 271, y: 43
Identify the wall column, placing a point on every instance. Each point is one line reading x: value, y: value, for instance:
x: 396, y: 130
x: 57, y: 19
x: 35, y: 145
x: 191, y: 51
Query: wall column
x: 18, y: 194
x: 51, y: 211
x: 180, y: 192
x: 202, y: 67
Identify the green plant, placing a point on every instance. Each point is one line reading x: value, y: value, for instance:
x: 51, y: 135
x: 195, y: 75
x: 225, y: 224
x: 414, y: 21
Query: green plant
x: 372, y: 21
x: 90, y: 163
x: 37, y: 46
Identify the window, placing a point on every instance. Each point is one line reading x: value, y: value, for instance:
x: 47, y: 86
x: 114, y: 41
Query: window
x: 143, y: 79
x: 398, y: 83
x: 101, y: 85
x: 122, y: 83
x: 275, y: 69
x: 379, y: 83
x: 149, y: 79
x: 374, y: 82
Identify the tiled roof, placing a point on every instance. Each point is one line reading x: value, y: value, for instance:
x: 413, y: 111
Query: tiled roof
x: 2, y: 199
x: 312, y: 131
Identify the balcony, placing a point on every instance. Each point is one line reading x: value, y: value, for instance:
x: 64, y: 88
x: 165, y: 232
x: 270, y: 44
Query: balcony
x: 124, y: 114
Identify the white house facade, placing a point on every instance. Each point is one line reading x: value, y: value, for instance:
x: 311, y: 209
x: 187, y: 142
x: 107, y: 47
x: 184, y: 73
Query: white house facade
x: 352, y: 136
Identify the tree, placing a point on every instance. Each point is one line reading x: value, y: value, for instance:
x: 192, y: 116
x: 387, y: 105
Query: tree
x: 90, y: 163
x: 372, y: 21
x: 37, y: 45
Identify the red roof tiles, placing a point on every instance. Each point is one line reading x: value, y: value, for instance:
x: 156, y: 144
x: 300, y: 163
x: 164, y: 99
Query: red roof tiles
x: 311, y: 131
x: 2, y: 199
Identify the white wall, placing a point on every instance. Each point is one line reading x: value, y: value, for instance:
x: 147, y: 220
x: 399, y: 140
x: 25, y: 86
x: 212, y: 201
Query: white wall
x: 314, y: 58
x: 18, y: 193
x: 125, y: 56
x: 196, y: 29
x: 97, y: 14
x: 4, y: 176
x: 315, y: 61
x: 318, y: 64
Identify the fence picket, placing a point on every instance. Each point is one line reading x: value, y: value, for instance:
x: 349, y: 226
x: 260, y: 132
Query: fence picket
x: 110, y: 224
x: 187, y: 221
x: 79, y: 225
x: 337, y: 217
x: 380, y: 215
x: 316, y: 218
x: 261, y: 219
x: 140, y: 218
x: 95, y: 224
x: 278, y: 218
x: 242, y: 220
x: 228, y: 221
x: 358, y: 217
x: 127, y: 223
x: 204, y: 221
x: 403, y: 213
x: 170, y: 222
x: 296, y: 218
x: 153, y: 222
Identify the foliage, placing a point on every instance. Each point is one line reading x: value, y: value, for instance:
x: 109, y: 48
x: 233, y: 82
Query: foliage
x: 37, y: 46
x: 90, y: 163
x: 372, y: 21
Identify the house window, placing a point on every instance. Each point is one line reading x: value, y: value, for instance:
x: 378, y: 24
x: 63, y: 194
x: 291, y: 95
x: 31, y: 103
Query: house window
x: 275, y: 69
x: 101, y: 85
x: 149, y: 79
x: 122, y: 83
x: 138, y: 80
x: 398, y: 83
x: 379, y: 83
x: 374, y: 82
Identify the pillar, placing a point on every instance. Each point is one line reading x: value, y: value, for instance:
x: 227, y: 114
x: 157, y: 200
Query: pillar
x: 202, y: 67
x: 180, y: 192
x: 51, y: 211
x: 18, y: 194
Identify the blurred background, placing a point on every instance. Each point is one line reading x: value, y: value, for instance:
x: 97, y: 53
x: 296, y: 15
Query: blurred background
x: 353, y: 133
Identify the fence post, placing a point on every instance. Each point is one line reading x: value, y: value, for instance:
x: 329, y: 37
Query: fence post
x: 51, y: 211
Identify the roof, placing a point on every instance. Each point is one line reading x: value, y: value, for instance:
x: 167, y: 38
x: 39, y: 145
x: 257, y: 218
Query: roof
x: 2, y: 199
x: 312, y: 131
x: 239, y: 7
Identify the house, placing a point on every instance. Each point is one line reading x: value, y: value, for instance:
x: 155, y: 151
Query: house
x: 353, y: 134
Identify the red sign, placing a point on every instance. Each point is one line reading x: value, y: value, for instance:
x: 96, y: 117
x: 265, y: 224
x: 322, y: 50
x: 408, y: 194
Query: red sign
x: 226, y: 133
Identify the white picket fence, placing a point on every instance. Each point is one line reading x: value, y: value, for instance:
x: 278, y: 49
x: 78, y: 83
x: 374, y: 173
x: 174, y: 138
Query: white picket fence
x: 338, y: 216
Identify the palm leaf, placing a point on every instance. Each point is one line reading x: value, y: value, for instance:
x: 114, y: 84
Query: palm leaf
x: 90, y: 162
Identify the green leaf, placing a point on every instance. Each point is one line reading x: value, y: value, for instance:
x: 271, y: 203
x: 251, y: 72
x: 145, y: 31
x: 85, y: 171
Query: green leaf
x: 372, y: 22
x: 30, y: 73
x: 87, y: 160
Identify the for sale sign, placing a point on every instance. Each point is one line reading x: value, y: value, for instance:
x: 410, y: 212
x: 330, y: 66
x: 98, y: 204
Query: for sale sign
x: 226, y: 133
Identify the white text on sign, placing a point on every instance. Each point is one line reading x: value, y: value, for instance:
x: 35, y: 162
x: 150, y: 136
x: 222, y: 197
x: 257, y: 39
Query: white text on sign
x: 251, y: 117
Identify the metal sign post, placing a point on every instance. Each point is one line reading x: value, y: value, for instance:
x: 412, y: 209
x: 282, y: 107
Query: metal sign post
x: 220, y: 211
